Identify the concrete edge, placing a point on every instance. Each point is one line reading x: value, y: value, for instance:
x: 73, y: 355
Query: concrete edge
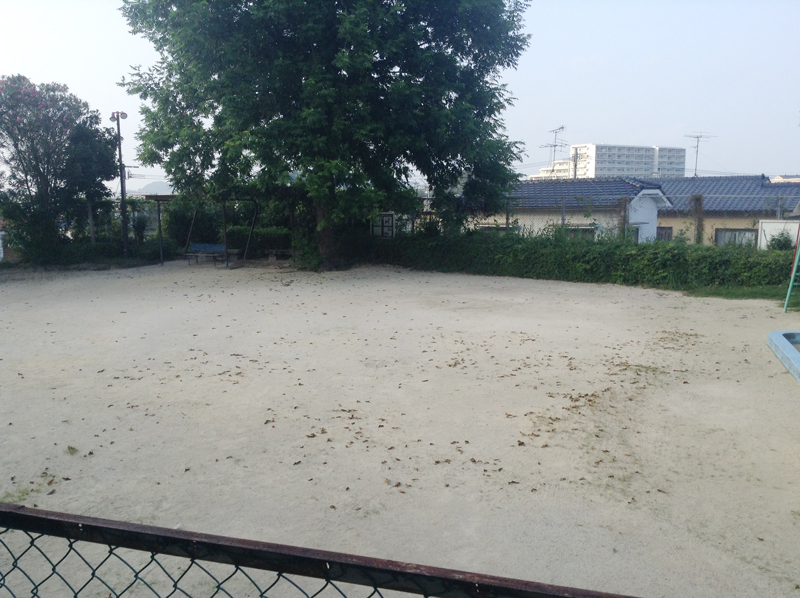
x: 785, y: 351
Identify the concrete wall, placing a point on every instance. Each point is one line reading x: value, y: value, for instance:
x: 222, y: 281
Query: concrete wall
x: 769, y: 228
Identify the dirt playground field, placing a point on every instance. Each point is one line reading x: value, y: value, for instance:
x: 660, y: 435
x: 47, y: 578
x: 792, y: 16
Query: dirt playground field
x: 602, y: 437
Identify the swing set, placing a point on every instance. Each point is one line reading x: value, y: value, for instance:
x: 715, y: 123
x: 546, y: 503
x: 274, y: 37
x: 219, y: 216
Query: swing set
x: 221, y: 251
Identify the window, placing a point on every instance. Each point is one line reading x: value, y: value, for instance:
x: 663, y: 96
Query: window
x: 737, y: 236
x: 664, y: 233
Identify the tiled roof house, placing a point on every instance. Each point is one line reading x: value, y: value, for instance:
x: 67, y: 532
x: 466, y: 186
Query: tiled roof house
x: 732, y: 206
x: 587, y: 206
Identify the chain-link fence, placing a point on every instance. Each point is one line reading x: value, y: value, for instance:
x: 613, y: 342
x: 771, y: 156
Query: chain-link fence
x: 45, y: 554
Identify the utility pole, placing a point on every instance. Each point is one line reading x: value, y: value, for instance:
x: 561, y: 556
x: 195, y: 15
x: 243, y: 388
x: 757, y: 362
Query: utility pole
x: 575, y: 164
x: 556, y: 145
x: 697, y: 137
x: 123, y: 208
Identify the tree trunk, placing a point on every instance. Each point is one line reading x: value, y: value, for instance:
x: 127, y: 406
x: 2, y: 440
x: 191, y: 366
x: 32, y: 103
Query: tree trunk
x: 696, y: 202
x: 91, y: 219
x: 326, y: 241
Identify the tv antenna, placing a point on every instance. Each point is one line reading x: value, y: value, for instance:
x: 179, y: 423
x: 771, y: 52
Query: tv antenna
x: 555, y: 146
x: 697, y: 138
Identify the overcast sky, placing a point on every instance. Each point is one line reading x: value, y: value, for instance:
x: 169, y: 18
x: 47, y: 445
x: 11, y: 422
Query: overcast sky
x: 611, y: 71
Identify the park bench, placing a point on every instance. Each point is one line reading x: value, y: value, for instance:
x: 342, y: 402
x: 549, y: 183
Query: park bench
x: 213, y: 250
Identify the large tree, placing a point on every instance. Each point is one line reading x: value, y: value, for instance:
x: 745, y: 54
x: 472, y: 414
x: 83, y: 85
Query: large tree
x: 45, y: 132
x: 343, y: 99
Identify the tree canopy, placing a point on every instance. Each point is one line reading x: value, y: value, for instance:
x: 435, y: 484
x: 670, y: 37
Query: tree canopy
x: 342, y: 100
x: 55, y: 155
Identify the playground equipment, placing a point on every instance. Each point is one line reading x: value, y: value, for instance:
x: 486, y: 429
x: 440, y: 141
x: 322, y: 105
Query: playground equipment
x: 794, y: 272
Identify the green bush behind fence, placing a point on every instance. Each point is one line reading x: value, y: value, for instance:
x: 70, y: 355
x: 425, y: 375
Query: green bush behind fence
x: 671, y: 265
x: 263, y: 240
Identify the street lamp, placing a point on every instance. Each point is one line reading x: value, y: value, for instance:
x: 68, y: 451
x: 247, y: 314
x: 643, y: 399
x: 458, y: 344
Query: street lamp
x: 123, y: 208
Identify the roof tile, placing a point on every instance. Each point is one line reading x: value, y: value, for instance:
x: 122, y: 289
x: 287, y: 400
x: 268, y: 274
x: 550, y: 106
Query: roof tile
x: 577, y: 193
x: 730, y: 193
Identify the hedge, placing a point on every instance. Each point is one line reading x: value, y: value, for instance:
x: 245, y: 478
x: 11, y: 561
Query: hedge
x: 664, y: 264
x: 102, y: 252
x: 263, y: 240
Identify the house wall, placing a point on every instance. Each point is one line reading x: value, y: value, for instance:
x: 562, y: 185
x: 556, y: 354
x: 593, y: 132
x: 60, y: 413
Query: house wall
x: 685, y: 225
x: 643, y: 214
x: 535, y: 220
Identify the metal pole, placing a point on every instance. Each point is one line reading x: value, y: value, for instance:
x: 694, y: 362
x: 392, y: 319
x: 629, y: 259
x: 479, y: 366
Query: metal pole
x: 123, y: 208
x: 225, y: 231
x: 160, y: 241
x: 191, y: 228
x: 252, y: 228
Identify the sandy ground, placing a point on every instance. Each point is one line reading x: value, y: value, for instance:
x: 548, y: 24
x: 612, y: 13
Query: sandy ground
x: 603, y: 437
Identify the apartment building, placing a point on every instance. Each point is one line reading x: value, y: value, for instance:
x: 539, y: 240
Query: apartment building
x: 593, y: 160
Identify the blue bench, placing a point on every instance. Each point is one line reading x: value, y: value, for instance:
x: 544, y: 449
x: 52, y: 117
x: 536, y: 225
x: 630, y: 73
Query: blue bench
x: 213, y: 250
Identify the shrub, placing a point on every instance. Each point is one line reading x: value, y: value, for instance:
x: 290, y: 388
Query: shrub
x: 148, y: 251
x: 79, y: 253
x: 781, y: 242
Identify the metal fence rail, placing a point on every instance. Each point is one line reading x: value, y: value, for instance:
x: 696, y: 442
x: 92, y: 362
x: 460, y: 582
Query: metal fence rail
x: 45, y: 554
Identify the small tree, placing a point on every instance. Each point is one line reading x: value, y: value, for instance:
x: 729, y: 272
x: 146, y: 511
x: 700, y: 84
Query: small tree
x: 91, y: 160
x: 781, y: 242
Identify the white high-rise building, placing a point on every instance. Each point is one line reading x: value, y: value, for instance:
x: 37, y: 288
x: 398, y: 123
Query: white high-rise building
x: 593, y: 160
